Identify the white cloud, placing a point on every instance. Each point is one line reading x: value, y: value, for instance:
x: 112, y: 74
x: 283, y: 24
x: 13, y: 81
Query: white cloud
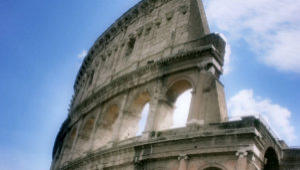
x: 285, y: 55
x: 82, y: 54
x: 270, y: 27
x: 227, y: 67
x: 245, y: 103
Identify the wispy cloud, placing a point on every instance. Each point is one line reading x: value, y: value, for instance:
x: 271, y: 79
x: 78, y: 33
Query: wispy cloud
x: 82, y: 54
x: 270, y: 27
x: 245, y: 103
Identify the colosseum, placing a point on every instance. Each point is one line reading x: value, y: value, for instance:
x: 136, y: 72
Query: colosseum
x: 152, y: 54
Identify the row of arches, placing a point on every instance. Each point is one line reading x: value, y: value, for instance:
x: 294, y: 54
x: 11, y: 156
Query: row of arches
x: 127, y: 117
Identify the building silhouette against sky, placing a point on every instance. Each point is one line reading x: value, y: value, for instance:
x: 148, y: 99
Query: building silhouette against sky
x: 150, y: 56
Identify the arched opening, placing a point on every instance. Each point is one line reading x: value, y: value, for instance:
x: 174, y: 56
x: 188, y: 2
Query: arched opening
x: 181, y: 109
x: 177, y: 89
x: 134, y: 119
x: 174, y: 112
x: 143, y: 120
x: 212, y: 168
x: 271, y: 160
x: 106, y: 126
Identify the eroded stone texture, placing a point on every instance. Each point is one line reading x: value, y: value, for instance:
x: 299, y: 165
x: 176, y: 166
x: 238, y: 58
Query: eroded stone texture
x: 153, y: 53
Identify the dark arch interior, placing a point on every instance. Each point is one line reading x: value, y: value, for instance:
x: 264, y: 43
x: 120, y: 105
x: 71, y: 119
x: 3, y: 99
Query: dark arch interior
x: 271, y: 160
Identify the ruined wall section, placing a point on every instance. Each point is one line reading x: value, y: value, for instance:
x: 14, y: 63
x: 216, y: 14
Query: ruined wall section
x: 235, y: 145
x: 150, y: 31
x: 152, y: 54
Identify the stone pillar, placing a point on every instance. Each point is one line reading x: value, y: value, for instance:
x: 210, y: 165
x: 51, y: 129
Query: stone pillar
x: 251, y: 162
x: 73, y: 148
x: 242, y: 162
x: 150, y: 123
x: 195, y: 115
x: 163, y: 114
x: 183, y: 162
x: 116, y: 131
x: 92, y: 139
x: 159, y: 110
x: 208, y: 100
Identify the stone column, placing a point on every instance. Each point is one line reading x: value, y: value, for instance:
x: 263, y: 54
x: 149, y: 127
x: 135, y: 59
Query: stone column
x: 73, y: 148
x: 241, y: 160
x: 155, y: 111
x: 163, y: 114
x: 195, y: 107
x: 116, y: 132
x: 251, y: 162
x: 208, y: 100
x: 183, y: 162
x: 92, y: 139
x: 150, y: 124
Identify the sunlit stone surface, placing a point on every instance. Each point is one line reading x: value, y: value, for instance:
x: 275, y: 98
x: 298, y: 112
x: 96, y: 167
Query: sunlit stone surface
x: 122, y: 112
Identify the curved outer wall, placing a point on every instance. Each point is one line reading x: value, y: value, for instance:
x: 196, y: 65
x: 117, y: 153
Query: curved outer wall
x: 152, y: 54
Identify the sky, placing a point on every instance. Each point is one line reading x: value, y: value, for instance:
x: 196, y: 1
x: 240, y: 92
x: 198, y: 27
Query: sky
x: 42, y: 44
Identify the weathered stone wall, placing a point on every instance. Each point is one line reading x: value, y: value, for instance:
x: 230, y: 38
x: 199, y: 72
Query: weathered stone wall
x: 228, y: 146
x: 150, y: 31
x: 291, y: 159
x: 152, y: 54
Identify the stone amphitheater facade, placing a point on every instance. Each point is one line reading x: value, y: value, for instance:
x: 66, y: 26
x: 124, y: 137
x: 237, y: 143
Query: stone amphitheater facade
x: 153, y: 53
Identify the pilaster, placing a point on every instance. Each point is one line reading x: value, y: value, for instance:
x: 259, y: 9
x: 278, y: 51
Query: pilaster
x: 241, y: 160
x: 208, y: 99
x: 74, y: 151
x: 92, y: 138
x: 183, y: 162
x: 154, y: 108
x: 116, y: 131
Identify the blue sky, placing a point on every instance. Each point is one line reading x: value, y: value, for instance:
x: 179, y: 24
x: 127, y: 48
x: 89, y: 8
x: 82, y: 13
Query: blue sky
x: 41, y: 43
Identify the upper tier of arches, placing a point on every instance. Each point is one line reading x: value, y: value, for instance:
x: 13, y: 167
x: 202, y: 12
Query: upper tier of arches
x: 117, y: 120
